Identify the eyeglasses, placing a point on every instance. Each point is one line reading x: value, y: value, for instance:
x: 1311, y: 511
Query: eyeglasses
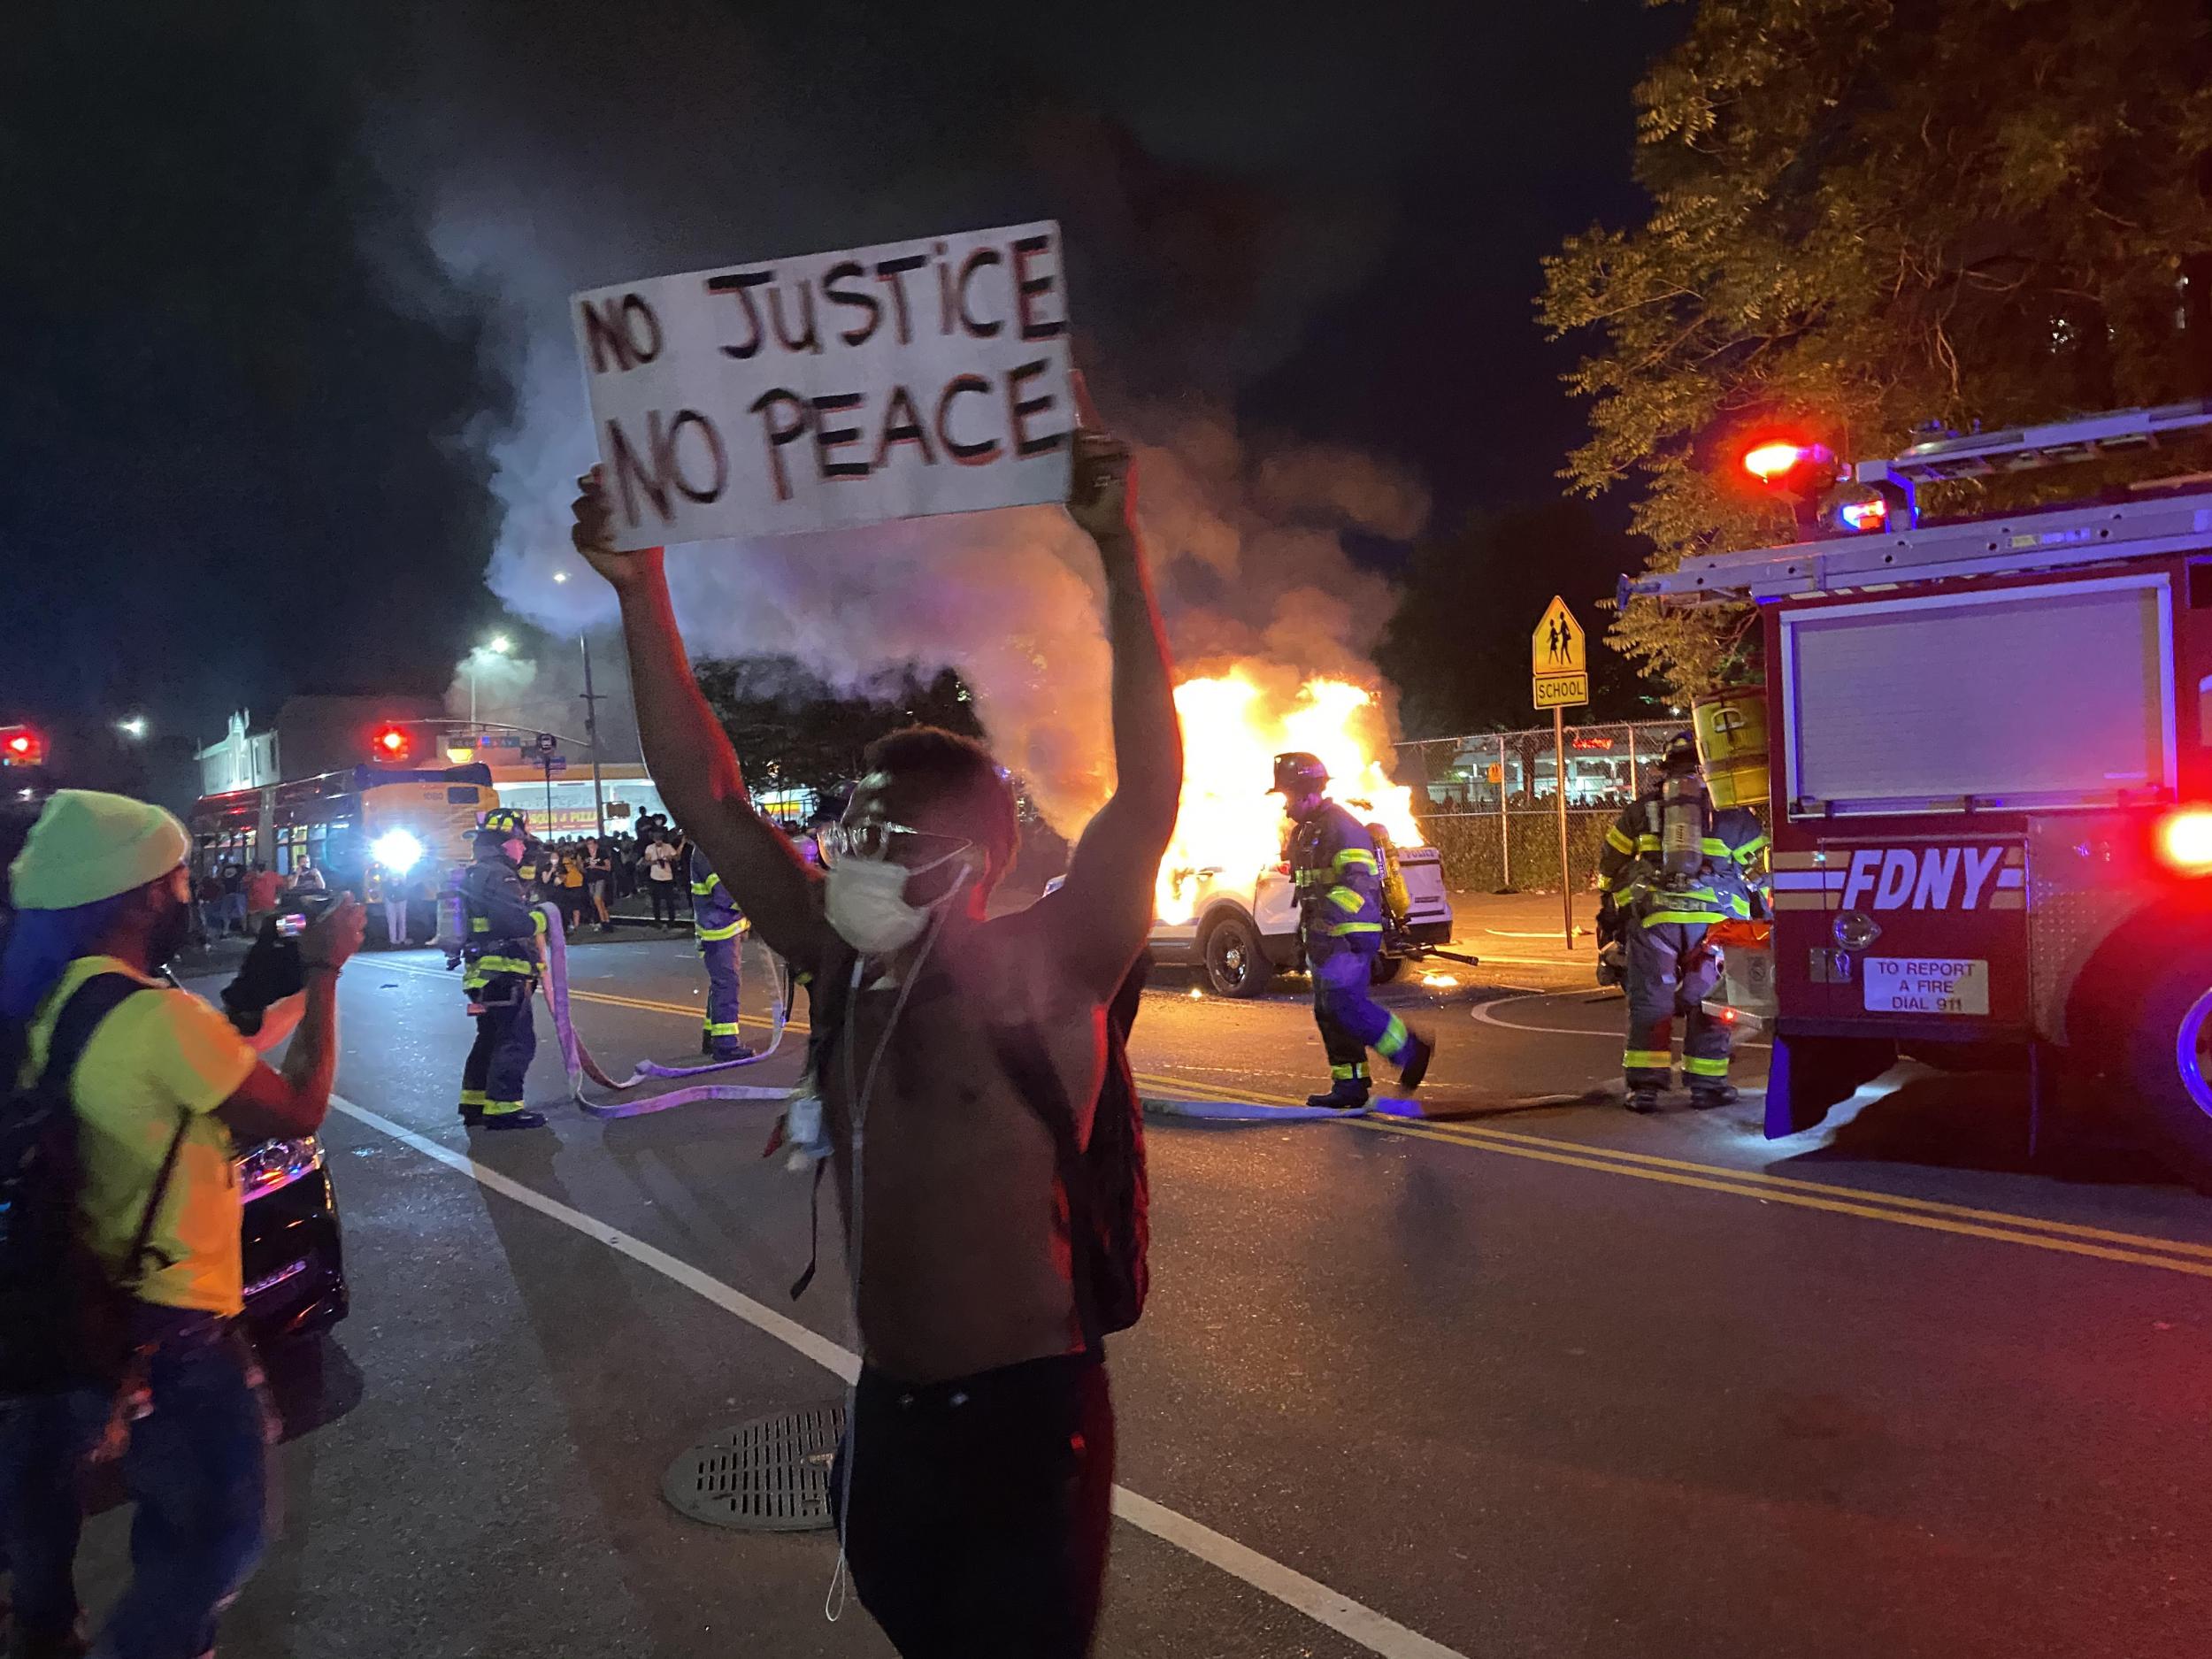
x: 874, y: 839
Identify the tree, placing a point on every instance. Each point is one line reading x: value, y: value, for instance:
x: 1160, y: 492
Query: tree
x: 1457, y: 646
x: 1869, y: 214
x: 793, y: 730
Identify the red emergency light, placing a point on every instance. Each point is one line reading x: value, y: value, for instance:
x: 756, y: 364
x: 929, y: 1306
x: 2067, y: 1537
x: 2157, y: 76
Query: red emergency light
x: 20, y: 746
x: 1775, y: 460
x: 2185, y: 840
x: 393, y: 743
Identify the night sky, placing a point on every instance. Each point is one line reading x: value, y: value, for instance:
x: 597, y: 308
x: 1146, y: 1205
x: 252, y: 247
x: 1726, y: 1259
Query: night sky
x: 252, y: 375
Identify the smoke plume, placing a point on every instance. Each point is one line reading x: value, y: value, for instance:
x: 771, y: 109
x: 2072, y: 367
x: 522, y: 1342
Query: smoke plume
x: 1182, y: 287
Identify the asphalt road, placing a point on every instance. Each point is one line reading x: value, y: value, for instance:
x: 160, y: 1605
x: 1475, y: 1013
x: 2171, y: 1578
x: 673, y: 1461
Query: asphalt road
x: 1532, y: 1378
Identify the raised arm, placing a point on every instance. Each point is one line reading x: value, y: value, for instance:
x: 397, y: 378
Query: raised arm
x: 1105, y: 907
x: 690, y: 755
x: 273, y: 1105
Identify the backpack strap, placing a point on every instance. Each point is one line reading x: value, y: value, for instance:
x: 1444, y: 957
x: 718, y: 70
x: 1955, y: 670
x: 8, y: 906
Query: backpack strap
x: 79, y: 1018
x: 74, y: 1025
x: 1022, y: 1054
x: 828, y: 988
x: 134, y: 1263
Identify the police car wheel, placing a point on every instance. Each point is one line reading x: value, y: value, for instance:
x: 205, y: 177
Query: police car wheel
x: 1386, y: 969
x: 2169, y: 1062
x: 1235, y: 964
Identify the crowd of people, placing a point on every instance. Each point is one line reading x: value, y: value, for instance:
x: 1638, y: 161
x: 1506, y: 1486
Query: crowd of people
x: 586, y: 876
x: 973, y: 1489
x: 234, y: 898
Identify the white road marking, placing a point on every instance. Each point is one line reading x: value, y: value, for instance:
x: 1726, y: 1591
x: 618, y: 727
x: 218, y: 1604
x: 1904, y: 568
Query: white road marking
x: 1481, y: 1012
x: 1349, y: 1619
x: 828, y: 1354
x: 1353, y: 1620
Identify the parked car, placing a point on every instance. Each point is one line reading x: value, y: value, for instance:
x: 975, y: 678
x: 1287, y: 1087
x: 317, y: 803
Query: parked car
x: 294, y: 1254
x: 1241, y: 934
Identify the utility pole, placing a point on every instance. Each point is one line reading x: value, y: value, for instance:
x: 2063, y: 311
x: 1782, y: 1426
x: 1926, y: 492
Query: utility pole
x: 591, y: 732
x: 1566, y: 886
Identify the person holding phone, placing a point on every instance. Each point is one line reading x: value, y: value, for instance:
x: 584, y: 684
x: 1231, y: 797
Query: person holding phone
x: 165, y: 1091
x: 660, y: 878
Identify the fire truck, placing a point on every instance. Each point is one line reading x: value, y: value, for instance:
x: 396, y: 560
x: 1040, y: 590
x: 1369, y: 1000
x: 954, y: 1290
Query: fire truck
x: 1990, y: 777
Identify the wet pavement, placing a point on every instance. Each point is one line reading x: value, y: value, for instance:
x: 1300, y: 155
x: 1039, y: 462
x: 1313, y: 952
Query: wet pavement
x: 1534, y: 1377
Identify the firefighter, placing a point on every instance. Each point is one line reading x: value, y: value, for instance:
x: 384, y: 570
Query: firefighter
x: 720, y: 929
x: 1672, y: 867
x: 1339, y: 877
x: 500, y: 948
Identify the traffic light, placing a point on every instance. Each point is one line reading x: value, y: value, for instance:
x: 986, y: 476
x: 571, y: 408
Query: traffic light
x: 392, y: 744
x: 21, y: 746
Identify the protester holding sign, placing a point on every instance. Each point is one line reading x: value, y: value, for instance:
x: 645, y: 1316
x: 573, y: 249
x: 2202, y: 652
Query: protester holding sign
x: 975, y: 1481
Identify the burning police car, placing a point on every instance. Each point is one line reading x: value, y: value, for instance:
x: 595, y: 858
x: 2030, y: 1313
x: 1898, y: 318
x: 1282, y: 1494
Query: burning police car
x: 1240, y: 934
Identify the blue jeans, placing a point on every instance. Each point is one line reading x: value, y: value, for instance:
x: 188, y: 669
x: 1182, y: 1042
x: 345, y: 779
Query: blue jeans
x: 197, y: 1470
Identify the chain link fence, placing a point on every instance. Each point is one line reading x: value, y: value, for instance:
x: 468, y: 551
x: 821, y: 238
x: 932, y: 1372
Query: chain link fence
x: 1489, y: 803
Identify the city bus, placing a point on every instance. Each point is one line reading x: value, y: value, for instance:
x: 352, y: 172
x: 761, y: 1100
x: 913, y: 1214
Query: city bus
x: 361, y: 826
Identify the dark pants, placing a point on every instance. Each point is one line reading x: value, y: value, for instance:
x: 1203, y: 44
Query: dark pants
x: 1667, y: 970
x: 721, y: 1022
x: 40, y: 1512
x: 1344, y: 1007
x: 196, y: 1468
x: 664, y: 895
x: 492, y: 1077
x: 980, y: 1509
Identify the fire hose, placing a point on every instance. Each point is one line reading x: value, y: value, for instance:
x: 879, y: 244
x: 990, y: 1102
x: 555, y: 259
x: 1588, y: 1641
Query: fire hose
x: 580, y: 1064
x: 1422, y: 953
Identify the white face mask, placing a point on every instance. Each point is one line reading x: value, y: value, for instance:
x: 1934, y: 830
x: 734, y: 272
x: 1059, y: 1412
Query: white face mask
x: 866, y: 902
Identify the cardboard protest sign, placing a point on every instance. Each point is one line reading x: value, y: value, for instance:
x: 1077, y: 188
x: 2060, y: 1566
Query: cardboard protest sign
x: 835, y: 388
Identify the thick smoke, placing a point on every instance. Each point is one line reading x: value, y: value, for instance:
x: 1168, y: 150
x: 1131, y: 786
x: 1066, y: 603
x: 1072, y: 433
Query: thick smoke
x: 537, y: 683
x: 1181, y: 286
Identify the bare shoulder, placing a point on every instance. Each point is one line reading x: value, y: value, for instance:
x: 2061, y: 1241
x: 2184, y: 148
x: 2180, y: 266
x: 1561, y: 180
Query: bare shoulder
x: 1024, y: 973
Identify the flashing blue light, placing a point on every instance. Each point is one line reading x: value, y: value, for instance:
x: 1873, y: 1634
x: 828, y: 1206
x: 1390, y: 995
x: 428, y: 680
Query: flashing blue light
x: 1864, y: 516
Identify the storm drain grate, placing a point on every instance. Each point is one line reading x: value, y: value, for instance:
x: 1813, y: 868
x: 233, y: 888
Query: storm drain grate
x: 770, y: 1475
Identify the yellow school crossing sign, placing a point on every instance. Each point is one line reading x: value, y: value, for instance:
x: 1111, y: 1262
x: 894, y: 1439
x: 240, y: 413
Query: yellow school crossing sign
x: 1557, y: 661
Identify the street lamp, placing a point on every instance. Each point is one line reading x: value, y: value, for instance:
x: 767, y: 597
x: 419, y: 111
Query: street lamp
x: 132, y: 726
x: 498, y: 645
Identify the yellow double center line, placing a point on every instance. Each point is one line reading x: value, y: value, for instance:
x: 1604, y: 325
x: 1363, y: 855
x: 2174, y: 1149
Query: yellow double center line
x: 2068, y: 1238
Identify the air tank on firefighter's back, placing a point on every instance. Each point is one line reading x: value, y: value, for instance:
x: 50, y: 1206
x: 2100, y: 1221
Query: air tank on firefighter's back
x: 1731, y: 726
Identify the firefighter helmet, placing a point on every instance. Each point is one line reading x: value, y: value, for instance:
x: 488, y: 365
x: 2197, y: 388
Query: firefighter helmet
x: 1299, y: 774
x: 1681, y: 754
x: 508, y: 823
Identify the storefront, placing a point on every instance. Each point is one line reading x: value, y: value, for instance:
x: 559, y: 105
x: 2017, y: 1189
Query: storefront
x: 565, y: 807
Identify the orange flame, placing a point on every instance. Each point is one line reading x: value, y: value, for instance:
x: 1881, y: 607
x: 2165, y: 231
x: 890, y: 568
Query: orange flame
x: 1230, y: 827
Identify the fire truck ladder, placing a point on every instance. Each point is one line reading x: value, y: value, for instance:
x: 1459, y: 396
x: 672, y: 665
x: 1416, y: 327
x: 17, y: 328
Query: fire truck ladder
x: 2033, y: 539
x: 2086, y: 439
